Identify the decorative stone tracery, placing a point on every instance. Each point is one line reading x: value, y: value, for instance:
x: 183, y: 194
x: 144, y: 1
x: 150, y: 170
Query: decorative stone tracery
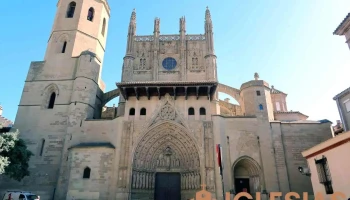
x: 166, y: 147
x: 166, y: 112
x: 170, y: 144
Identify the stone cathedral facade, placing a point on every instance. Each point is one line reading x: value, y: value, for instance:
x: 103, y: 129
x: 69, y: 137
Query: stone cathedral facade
x: 159, y: 142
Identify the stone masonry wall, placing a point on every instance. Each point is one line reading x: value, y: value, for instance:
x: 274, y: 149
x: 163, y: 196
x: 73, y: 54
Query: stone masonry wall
x: 297, y: 137
x: 41, y: 128
x: 100, y: 160
x: 280, y: 158
x: 241, y: 133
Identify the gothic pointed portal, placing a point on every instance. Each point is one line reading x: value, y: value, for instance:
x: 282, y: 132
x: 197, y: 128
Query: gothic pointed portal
x: 165, y: 148
x: 247, y: 175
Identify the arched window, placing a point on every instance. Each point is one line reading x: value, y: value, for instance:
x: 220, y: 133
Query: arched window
x: 191, y: 111
x: 52, y: 100
x: 91, y: 13
x: 143, y: 111
x: 64, y: 47
x: 103, y: 27
x: 42, y: 147
x: 71, y: 9
x: 202, y: 111
x: 132, y: 111
x: 87, y: 172
x: 261, y: 107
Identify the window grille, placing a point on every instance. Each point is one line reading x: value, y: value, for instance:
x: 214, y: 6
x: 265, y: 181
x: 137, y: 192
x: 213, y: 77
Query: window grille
x: 324, y: 174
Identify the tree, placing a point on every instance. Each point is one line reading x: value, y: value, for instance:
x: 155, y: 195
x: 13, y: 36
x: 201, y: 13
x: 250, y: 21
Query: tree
x: 14, y: 156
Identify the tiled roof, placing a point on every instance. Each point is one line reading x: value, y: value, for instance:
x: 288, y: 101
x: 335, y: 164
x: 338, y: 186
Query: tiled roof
x: 341, y: 24
x: 4, y: 122
x: 273, y: 90
x: 302, y: 122
x: 290, y: 112
x: 346, y: 91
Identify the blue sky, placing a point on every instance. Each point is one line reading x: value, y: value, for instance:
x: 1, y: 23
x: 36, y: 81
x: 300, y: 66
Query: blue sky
x: 289, y: 43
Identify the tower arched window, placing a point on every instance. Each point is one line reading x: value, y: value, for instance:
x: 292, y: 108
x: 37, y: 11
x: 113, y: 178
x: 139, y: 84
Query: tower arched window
x: 202, y: 111
x: 143, y: 111
x: 71, y: 9
x: 64, y: 47
x: 261, y: 107
x: 91, y: 13
x: 132, y: 111
x: 52, y: 100
x: 191, y: 111
x: 103, y: 27
x: 87, y: 172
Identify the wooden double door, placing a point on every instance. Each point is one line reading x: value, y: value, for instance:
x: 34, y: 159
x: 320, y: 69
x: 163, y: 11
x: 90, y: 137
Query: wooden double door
x: 167, y: 186
x: 242, y: 185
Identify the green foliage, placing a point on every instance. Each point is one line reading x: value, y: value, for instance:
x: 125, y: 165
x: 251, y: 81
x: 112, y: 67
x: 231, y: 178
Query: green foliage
x: 14, y: 156
x: 7, y: 142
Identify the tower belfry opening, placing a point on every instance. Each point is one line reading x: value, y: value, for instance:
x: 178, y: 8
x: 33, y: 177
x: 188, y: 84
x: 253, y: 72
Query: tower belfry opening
x: 71, y: 9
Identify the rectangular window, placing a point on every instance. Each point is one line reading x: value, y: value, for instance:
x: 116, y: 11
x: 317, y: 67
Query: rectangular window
x: 347, y: 105
x: 258, y: 93
x: 64, y: 47
x: 324, y: 174
x: 42, y: 147
x: 278, y: 107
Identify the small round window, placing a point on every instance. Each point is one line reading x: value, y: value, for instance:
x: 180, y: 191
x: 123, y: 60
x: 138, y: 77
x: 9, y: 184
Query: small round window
x: 169, y: 63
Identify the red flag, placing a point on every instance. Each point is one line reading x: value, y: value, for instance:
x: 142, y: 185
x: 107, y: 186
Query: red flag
x: 218, y: 154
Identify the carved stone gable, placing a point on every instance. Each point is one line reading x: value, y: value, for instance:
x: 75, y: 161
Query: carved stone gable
x: 166, y: 112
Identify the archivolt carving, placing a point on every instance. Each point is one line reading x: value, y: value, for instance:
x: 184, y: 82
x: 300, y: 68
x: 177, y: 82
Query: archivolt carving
x: 254, y: 171
x: 166, y: 147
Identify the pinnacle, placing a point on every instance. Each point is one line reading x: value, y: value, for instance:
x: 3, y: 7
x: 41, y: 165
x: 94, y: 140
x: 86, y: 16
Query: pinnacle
x: 207, y: 14
x: 133, y: 14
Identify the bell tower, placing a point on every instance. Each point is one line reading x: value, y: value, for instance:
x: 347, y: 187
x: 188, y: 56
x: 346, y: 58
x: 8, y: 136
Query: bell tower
x: 78, y: 26
x: 63, y: 91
